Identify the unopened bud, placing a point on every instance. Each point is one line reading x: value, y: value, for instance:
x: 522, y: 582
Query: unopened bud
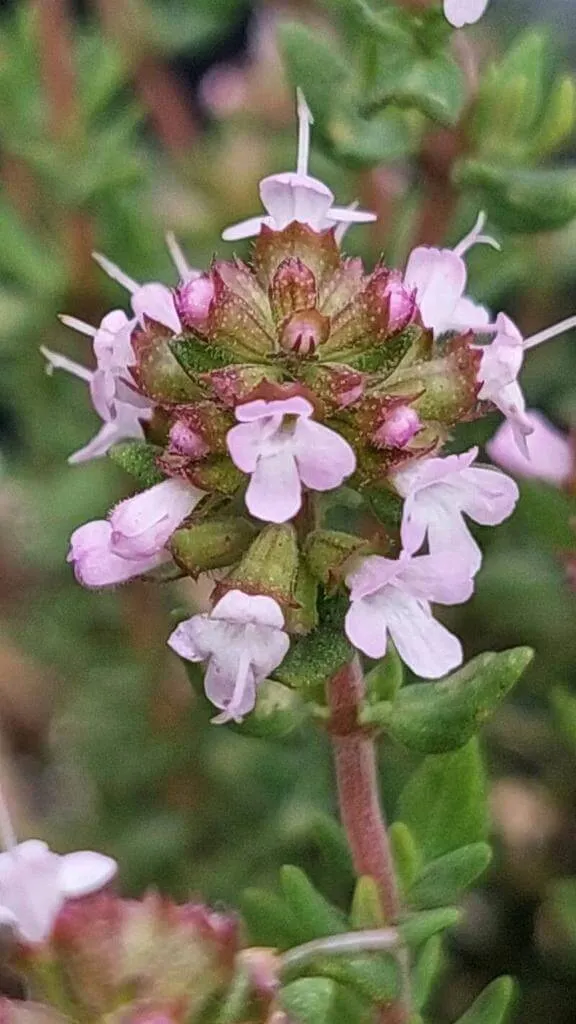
x: 186, y: 441
x: 398, y: 428
x: 193, y: 299
x: 402, y: 306
x: 304, y: 331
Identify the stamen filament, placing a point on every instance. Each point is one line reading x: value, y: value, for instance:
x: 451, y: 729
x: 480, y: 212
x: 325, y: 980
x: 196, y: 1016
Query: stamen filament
x: 475, y: 237
x: 178, y: 258
x: 78, y: 325
x: 115, y: 273
x: 550, y: 332
x: 305, y: 119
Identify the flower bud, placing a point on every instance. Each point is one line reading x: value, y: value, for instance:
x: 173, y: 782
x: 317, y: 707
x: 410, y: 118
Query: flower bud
x: 186, y: 441
x: 211, y: 545
x: 193, y: 299
x: 402, y: 306
x: 304, y: 331
x: 398, y: 428
x: 269, y: 566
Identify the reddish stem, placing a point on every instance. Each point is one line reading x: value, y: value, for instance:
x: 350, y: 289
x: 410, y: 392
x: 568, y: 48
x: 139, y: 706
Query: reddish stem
x: 357, y: 778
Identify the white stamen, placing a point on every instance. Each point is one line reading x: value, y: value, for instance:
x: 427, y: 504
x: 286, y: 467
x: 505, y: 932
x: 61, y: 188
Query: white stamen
x: 380, y: 940
x: 115, y: 273
x: 78, y: 325
x: 178, y: 258
x: 305, y: 119
x: 550, y: 332
x: 56, y: 361
x: 475, y: 237
x: 7, y: 833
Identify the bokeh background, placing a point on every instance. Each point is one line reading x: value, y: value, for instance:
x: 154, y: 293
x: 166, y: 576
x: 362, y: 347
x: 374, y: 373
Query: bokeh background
x: 117, y: 123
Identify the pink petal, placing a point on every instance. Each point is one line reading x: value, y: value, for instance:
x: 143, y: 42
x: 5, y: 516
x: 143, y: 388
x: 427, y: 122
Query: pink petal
x: 295, y: 197
x: 426, y: 646
x: 56, y: 361
x: 101, y: 443
x: 230, y: 687
x: 442, y: 577
x: 469, y: 315
x: 245, y: 441
x: 274, y: 493
x: 350, y: 215
x: 550, y: 451
x: 183, y: 641
x: 114, y: 325
x: 439, y: 278
x: 366, y: 628
x: 84, y: 872
x: 236, y: 606
x: 464, y: 12
x: 142, y: 525
x: 156, y: 302
x: 372, y: 575
x: 491, y: 496
x: 260, y: 409
x: 95, y: 565
x: 244, y: 229
x: 29, y: 888
x: 324, y: 458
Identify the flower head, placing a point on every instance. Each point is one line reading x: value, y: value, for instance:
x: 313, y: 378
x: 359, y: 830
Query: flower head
x: 243, y: 641
x: 132, y: 541
x: 550, y: 452
x: 393, y: 597
x: 282, y: 448
x: 464, y: 12
x: 439, y: 492
x: 296, y: 196
x: 35, y: 883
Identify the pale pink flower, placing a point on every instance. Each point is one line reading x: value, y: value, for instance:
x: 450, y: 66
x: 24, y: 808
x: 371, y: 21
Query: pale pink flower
x: 242, y: 640
x: 393, y: 597
x: 296, y: 196
x: 550, y: 452
x: 439, y: 277
x: 501, y: 363
x: 35, y: 883
x: 282, y: 448
x: 438, y: 493
x: 132, y: 541
x: 464, y: 12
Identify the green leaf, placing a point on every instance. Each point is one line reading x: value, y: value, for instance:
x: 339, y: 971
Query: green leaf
x: 366, y: 910
x: 564, y: 707
x: 385, y: 679
x: 434, y: 718
x: 443, y: 879
x: 373, y: 976
x: 321, y: 1001
x: 385, y: 137
x: 269, y: 920
x: 316, y: 917
x: 444, y: 803
x: 519, y: 199
x: 315, y: 65
x: 407, y: 860
x: 561, y: 905
x: 492, y: 1005
x: 426, y: 969
x: 418, y: 928
x: 139, y: 459
x: 433, y: 85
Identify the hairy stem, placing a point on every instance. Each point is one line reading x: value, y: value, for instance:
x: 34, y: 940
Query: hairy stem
x: 360, y: 809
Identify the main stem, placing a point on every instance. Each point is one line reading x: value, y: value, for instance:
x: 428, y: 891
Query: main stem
x: 360, y: 808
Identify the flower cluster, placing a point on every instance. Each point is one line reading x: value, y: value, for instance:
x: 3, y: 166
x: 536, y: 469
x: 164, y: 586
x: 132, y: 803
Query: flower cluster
x: 261, y: 396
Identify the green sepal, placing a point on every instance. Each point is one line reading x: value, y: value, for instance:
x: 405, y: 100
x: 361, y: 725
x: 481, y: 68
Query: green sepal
x: 419, y: 928
x: 492, y: 1005
x: 443, y: 880
x: 216, y: 473
x: 407, y: 859
x: 444, y: 802
x: 196, y: 355
x: 302, y: 615
x: 313, y: 659
x: 521, y: 199
x: 385, y: 679
x: 138, y: 458
x: 278, y: 713
x: 328, y: 551
x: 434, y: 718
x: 386, y: 505
x: 270, y: 565
x: 316, y: 917
x: 211, y: 544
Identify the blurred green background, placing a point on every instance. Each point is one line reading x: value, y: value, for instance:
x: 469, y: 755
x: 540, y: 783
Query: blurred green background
x: 121, y: 120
